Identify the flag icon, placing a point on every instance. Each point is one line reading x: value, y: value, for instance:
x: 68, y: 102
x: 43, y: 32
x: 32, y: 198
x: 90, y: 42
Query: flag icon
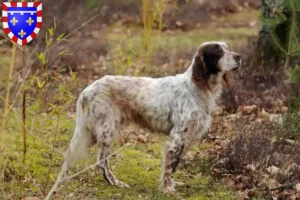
x: 22, y: 21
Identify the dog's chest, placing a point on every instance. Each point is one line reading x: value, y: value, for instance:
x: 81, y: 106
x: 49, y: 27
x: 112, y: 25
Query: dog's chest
x: 159, y: 118
x: 204, y: 129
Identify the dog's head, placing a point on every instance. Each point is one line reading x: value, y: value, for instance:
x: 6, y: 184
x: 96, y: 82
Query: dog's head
x: 214, y: 58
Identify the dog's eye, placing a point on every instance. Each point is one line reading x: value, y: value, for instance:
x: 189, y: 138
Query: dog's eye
x: 219, y: 50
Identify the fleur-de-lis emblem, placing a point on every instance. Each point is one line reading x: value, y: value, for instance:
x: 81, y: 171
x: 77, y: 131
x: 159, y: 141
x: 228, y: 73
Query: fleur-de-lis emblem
x: 14, y: 21
x: 29, y: 21
x: 22, y: 33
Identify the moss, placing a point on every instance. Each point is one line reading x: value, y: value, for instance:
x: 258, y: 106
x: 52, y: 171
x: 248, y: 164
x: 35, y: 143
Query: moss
x: 140, y: 168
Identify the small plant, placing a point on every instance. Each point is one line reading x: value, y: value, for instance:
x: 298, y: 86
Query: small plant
x: 40, y: 116
x: 285, y: 20
x: 290, y: 128
x: 152, y: 13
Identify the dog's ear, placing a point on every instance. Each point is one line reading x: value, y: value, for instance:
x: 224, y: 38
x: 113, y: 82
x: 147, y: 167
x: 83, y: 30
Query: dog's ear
x: 200, y: 72
x: 228, y: 80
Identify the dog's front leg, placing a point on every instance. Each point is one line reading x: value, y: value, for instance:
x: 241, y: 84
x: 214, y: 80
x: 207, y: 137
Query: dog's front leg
x: 174, y: 150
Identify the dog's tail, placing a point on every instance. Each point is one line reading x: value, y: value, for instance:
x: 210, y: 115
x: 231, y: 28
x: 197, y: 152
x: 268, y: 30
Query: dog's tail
x: 78, y: 148
x: 79, y: 145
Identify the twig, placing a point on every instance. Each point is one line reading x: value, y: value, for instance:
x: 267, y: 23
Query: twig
x: 6, y: 101
x: 30, y: 131
x: 52, y: 153
x: 8, y: 39
x: 277, y: 44
x: 22, y: 86
x: 9, y: 78
x: 24, y: 131
x: 60, y: 180
x: 282, y: 187
x: 71, y: 33
x: 291, y: 142
x: 94, y: 165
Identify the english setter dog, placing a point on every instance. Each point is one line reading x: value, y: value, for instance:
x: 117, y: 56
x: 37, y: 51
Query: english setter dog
x: 179, y: 106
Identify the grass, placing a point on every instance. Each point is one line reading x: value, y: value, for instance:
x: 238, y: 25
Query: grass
x: 4, y: 62
x: 175, y: 44
x: 185, y: 40
x: 39, y: 151
x: 239, y: 18
x: 138, y: 165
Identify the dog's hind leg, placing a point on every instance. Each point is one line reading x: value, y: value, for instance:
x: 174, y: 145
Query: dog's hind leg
x: 103, y: 164
x: 82, y: 139
x: 107, y: 133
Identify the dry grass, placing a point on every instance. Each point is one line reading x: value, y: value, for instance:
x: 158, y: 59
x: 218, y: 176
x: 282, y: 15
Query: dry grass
x: 262, y: 158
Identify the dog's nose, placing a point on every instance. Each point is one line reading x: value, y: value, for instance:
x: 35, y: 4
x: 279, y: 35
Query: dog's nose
x: 237, y: 57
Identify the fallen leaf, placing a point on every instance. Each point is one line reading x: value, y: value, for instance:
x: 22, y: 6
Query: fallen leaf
x: 249, y: 109
x: 264, y: 114
x: 251, y: 167
x: 297, y: 187
x: 141, y: 139
x: 273, y: 170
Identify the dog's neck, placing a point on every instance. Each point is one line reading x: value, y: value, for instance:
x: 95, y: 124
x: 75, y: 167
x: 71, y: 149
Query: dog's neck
x: 215, y: 81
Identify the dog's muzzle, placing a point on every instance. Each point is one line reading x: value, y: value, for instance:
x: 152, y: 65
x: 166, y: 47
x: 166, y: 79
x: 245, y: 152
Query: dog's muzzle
x: 234, y: 69
x: 237, y: 66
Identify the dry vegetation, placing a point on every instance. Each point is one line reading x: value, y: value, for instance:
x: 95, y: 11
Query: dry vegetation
x: 252, y: 152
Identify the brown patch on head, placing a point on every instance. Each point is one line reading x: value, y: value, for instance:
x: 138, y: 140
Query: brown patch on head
x: 206, y: 63
x: 200, y: 75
